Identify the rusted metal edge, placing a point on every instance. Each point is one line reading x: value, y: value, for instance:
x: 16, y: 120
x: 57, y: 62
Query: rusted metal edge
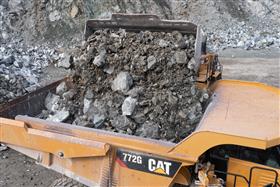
x: 138, y: 22
x: 30, y: 104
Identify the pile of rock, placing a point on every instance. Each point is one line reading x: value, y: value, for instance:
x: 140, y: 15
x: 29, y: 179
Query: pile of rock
x: 243, y: 36
x: 248, y: 24
x: 21, y: 68
x: 134, y: 83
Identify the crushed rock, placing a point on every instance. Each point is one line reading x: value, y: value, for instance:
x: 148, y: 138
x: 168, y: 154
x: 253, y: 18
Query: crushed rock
x: 150, y: 92
x: 21, y: 68
x: 3, y: 147
x: 252, y: 24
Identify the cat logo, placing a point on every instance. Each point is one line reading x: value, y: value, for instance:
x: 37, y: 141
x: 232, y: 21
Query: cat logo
x: 147, y: 163
x: 159, y: 166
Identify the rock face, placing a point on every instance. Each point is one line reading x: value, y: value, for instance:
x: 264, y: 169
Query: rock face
x: 149, y: 90
x: 246, y: 24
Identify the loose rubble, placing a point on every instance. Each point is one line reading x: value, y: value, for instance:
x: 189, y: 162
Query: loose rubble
x: 243, y: 36
x: 134, y: 83
x: 3, y: 147
x: 20, y: 68
x: 252, y: 24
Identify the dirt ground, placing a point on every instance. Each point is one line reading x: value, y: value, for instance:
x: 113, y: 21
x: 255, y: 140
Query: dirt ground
x: 262, y: 65
x: 19, y: 170
x: 258, y: 65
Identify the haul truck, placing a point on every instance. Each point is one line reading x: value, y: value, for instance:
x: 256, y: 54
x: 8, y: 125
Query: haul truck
x: 236, y: 143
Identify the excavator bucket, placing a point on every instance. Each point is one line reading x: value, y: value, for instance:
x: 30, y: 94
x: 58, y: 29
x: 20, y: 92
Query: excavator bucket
x: 207, y: 65
x: 142, y: 22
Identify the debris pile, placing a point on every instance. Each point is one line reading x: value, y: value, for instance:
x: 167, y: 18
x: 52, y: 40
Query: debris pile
x: 20, y: 68
x: 243, y: 36
x: 134, y: 83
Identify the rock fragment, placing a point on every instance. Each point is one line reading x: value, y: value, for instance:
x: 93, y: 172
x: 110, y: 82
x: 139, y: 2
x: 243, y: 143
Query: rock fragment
x: 54, y: 16
x: 52, y: 102
x: 135, y: 92
x: 89, y: 94
x: 8, y: 60
x: 122, y: 82
x: 61, y: 88
x: 151, y: 62
x: 162, y: 43
x: 121, y: 122
x: 69, y: 94
x: 98, y: 120
x: 59, y: 116
x: 65, y: 62
x: 99, y: 60
x: 74, y: 11
x: 149, y: 130
x: 87, y: 103
x: 128, y: 106
x: 180, y: 57
x: 3, y: 147
x: 97, y: 113
x: 80, y: 121
x: 192, y: 64
x: 109, y: 69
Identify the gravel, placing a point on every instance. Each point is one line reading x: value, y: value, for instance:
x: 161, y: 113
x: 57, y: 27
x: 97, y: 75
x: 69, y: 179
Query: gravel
x: 252, y: 24
x: 149, y: 91
x: 20, y: 68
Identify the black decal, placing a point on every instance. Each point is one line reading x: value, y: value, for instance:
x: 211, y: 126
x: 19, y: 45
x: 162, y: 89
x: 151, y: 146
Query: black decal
x: 147, y: 163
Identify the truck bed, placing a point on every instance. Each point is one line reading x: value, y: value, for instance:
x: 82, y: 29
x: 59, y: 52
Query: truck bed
x: 236, y: 115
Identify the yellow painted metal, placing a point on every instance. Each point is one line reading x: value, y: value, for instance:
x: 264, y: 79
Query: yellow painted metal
x: 244, y: 109
x: 207, y: 71
x: 83, y: 160
x: 18, y: 133
x: 183, y: 177
x: 240, y: 113
x: 259, y: 178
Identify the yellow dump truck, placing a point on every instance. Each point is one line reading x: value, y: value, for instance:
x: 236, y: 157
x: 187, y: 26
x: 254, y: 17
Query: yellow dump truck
x: 237, y: 142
